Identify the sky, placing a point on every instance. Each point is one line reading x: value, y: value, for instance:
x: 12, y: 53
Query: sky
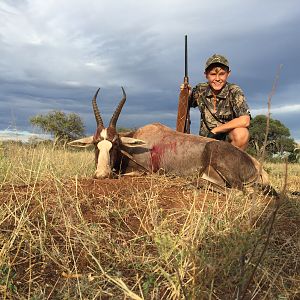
x: 54, y: 54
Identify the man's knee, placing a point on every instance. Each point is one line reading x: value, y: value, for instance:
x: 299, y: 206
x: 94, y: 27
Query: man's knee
x: 239, y: 137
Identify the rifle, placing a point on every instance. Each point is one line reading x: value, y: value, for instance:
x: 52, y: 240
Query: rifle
x: 183, y: 114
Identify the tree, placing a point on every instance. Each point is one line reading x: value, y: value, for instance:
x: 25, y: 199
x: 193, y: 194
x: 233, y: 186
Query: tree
x: 63, y: 127
x: 278, y: 140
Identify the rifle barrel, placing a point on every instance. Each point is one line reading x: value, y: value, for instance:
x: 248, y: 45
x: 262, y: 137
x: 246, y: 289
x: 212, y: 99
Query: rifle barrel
x: 185, y: 58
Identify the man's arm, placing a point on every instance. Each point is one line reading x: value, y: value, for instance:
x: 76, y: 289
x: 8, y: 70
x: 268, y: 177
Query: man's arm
x: 239, y: 122
x: 241, y: 111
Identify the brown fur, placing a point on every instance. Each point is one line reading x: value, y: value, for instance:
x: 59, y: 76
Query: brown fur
x: 111, y: 133
x: 235, y: 166
x: 184, y: 154
x: 218, y: 161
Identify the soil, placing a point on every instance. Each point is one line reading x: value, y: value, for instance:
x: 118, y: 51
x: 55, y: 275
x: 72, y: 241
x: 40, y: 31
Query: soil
x: 116, y: 204
x: 170, y: 192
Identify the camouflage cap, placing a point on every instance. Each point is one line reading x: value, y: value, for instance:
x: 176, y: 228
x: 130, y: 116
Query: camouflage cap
x: 217, y: 59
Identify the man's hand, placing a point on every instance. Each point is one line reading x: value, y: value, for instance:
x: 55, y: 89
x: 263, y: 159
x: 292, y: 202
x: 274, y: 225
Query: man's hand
x: 182, y: 86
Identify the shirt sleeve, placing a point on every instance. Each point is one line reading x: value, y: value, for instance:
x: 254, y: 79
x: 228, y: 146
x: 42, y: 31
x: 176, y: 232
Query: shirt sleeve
x: 239, y: 103
x: 195, y: 95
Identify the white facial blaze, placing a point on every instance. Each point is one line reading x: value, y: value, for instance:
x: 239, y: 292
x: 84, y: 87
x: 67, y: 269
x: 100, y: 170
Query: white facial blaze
x: 103, y: 166
x: 103, y: 133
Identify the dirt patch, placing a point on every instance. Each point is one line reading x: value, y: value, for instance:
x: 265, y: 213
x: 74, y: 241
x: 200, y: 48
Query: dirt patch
x: 169, y: 192
x: 58, y: 227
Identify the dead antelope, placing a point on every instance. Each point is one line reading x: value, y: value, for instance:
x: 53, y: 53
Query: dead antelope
x: 156, y: 147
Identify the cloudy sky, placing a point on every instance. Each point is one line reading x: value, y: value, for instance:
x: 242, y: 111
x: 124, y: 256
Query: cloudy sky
x: 54, y: 54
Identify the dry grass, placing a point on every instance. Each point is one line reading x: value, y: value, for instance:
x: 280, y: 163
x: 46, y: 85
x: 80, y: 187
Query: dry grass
x: 67, y: 236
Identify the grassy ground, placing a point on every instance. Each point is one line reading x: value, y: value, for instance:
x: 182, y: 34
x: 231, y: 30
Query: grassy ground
x: 65, y: 235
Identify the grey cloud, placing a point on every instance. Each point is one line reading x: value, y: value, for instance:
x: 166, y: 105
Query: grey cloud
x: 58, y: 53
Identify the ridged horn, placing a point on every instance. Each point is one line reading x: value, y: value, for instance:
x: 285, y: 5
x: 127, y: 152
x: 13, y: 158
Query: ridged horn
x: 114, y: 118
x: 96, y: 110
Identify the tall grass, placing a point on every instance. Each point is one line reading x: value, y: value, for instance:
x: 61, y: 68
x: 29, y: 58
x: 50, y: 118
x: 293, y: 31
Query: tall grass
x: 22, y: 164
x: 67, y: 236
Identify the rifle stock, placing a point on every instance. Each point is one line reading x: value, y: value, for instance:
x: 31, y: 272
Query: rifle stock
x: 183, y: 115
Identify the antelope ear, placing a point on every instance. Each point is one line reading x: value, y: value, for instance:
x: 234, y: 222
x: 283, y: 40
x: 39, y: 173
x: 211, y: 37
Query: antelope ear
x: 84, y: 142
x: 131, y: 142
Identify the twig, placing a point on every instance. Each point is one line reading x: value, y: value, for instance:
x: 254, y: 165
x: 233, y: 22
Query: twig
x: 269, y: 112
x: 181, y: 285
x: 271, y: 220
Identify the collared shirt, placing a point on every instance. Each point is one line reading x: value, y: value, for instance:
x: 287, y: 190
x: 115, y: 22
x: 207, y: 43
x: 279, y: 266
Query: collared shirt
x: 215, y: 110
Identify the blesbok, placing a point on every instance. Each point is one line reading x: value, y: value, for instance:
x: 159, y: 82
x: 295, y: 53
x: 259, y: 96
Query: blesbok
x: 156, y: 147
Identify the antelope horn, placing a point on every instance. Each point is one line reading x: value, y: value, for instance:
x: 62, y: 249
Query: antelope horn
x: 117, y: 112
x: 96, y: 110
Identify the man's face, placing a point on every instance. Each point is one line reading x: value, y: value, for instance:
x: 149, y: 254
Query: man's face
x: 217, y: 77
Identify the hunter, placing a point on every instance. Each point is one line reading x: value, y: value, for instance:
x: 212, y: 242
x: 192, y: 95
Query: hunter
x: 224, y: 111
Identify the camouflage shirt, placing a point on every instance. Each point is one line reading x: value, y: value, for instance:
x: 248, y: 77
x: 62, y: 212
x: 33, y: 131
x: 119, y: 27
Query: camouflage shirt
x: 230, y: 103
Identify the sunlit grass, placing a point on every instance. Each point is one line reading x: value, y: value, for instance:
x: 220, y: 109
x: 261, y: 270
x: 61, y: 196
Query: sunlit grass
x: 65, y: 236
x: 22, y: 165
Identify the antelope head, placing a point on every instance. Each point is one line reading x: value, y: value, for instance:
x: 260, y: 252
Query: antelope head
x: 106, y: 140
